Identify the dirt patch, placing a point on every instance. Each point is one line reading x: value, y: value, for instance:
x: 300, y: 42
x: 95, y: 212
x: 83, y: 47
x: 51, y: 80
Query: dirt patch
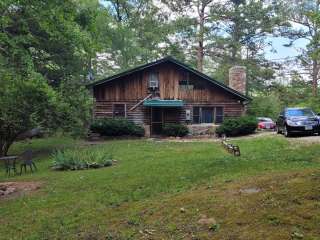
x: 206, y: 221
x: 250, y: 190
x: 14, y: 189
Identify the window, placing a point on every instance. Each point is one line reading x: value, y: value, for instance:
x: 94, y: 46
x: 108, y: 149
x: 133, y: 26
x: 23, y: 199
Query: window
x: 119, y: 110
x: 184, y: 85
x: 190, y: 85
x: 299, y: 112
x: 153, y: 80
x: 219, y: 115
x: 196, y: 115
x: 207, y: 115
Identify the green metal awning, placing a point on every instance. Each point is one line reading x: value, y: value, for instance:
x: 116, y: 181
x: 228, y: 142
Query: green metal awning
x: 163, y: 103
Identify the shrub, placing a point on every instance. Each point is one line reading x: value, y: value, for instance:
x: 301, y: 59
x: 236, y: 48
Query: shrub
x: 176, y: 130
x: 79, y: 159
x: 237, y: 126
x: 116, y: 127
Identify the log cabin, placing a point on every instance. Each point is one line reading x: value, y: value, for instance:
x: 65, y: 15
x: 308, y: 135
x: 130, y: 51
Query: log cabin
x: 169, y: 91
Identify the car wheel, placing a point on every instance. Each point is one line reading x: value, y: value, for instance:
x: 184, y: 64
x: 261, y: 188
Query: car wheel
x: 286, y: 133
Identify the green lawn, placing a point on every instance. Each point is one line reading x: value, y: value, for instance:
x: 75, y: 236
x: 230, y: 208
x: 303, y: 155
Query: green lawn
x: 110, y: 203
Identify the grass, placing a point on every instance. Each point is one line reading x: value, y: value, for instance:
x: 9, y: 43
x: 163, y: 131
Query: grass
x: 153, y: 180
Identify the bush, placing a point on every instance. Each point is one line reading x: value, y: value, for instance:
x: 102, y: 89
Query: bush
x: 175, y: 130
x: 116, y: 127
x: 237, y: 126
x: 78, y: 159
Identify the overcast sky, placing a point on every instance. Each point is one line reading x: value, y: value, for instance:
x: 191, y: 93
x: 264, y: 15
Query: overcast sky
x: 283, y: 52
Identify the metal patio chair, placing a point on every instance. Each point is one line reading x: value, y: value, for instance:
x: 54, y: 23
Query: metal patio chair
x: 9, y: 164
x: 27, y: 161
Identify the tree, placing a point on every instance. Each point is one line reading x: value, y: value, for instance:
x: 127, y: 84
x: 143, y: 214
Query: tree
x: 46, y: 36
x: 246, y: 26
x: 196, y: 28
x: 44, y: 48
x: 305, y: 24
x: 135, y: 32
x: 265, y: 105
x: 227, y: 33
x: 24, y: 104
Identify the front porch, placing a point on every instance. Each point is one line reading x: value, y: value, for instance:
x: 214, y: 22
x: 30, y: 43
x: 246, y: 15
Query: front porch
x: 163, y: 112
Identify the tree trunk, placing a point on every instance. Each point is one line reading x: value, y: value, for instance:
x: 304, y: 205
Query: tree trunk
x: 315, y: 73
x: 2, y: 151
x: 4, y: 148
x: 235, y: 34
x: 315, y: 63
x: 200, y: 49
x: 200, y: 56
x: 7, y: 137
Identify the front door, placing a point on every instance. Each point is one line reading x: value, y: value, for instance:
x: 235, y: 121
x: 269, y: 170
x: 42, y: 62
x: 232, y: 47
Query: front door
x: 207, y: 115
x: 156, y: 120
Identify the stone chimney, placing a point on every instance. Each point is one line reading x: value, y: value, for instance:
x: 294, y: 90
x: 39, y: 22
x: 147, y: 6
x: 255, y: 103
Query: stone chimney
x: 237, y: 79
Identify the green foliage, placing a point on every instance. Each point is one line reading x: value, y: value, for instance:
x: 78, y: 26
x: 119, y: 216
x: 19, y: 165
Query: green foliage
x: 175, y: 130
x: 79, y: 159
x: 116, y: 127
x: 44, y: 51
x: 25, y: 103
x: 229, y: 28
x: 75, y: 110
x: 237, y: 126
x: 214, y: 227
x: 130, y: 39
x: 30, y: 102
x: 312, y: 102
x: 45, y: 37
x: 297, y: 94
x: 265, y: 106
x: 247, y: 25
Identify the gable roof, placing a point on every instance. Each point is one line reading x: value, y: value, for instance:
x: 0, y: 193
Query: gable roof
x: 178, y: 63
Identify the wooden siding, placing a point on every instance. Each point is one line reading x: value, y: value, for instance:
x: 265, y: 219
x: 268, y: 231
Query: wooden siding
x: 135, y: 87
x: 140, y: 115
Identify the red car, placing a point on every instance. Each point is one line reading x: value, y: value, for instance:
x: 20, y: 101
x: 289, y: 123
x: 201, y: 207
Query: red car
x: 266, y: 123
